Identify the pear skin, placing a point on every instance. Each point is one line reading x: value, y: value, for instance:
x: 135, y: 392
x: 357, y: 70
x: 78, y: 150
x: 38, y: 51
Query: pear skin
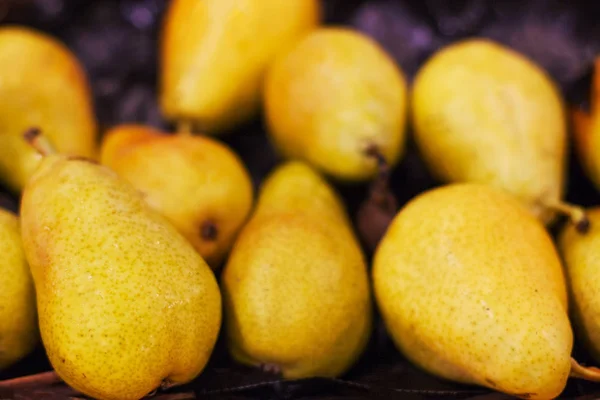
x: 586, y: 131
x: 18, y: 328
x: 214, y: 54
x: 199, y: 184
x: 580, y: 254
x: 484, y: 113
x: 471, y: 289
x: 295, y: 288
x: 332, y: 97
x: 125, y: 303
x: 42, y: 85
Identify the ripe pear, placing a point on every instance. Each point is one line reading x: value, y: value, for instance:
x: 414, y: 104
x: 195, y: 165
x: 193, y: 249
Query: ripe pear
x: 214, y: 54
x: 484, y: 113
x: 18, y: 318
x: 471, y: 289
x: 199, y: 184
x: 42, y: 84
x: 334, y: 96
x: 580, y: 253
x: 586, y: 129
x: 295, y: 288
x: 125, y: 303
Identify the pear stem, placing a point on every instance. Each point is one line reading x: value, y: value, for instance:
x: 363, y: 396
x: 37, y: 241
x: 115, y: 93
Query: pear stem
x: 380, y: 207
x: 575, y: 214
x: 39, y: 142
x: 587, y: 373
x: 44, y: 378
x: 184, y: 127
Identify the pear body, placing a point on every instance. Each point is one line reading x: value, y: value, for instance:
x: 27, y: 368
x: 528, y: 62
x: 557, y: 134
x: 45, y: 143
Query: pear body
x: 125, y: 303
x: 580, y: 254
x: 471, y: 289
x: 199, y: 184
x: 214, y: 54
x: 485, y: 113
x: 42, y: 85
x: 18, y: 318
x: 295, y: 288
x: 331, y: 97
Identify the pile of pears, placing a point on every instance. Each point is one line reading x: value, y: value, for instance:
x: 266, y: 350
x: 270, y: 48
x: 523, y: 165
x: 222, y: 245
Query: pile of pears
x: 135, y: 247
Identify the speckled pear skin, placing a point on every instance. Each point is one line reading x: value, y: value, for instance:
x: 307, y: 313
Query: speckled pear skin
x: 471, y: 289
x: 296, y: 289
x: 332, y: 96
x: 125, y: 302
x: 192, y: 180
x: 582, y: 261
x: 18, y: 328
x: 485, y: 113
x: 60, y: 103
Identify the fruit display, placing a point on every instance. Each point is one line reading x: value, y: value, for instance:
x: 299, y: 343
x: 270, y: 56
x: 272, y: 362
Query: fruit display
x: 300, y: 199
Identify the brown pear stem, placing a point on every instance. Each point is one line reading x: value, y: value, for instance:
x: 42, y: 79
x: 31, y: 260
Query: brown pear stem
x: 380, y: 189
x: 209, y: 231
x: 44, y: 378
x: 184, y: 127
x: 587, y: 373
x: 377, y: 211
x: 575, y: 214
x: 39, y: 142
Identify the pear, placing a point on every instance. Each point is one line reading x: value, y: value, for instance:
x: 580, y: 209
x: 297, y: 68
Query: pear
x: 199, y: 184
x: 586, y: 129
x: 18, y: 327
x: 42, y: 84
x: 295, y: 288
x: 332, y: 99
x: 471, y: 289
x: 580, y: 253
x: 484, y: 113
x: 214, y: 54
x: 125, y: 303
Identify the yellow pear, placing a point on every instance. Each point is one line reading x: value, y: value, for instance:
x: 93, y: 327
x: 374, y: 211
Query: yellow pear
x: 586, y: 129
x: 214, y: 54
x: 471, y: 289
x: 18, y: 319
x: 198, y: 183
x: 484, y: 113
x: 42, y: 85
x: 334, y: 96
x: 580, y: 253
x: 125, y: 303
x: 295, y: 289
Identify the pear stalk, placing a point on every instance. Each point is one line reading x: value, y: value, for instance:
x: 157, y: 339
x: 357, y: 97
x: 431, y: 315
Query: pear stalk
x: 184, y: 128
x: 380, y: 207
x: 587, y: 373
x: 575, y: 214
x: 39, y: 142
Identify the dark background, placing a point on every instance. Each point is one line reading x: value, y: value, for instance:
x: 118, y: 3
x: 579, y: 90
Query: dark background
x: 117, y: 43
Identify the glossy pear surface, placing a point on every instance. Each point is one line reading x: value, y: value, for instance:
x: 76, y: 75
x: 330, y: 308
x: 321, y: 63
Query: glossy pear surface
x: 125, y: 303
x: 214, y: 54
x: 484, y: 113
x: 295, y: 288
x: 199, y: 184
x: 18, y: 317
x: 471, y: 289
x: 331, y: 97
x: 42, y: 85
